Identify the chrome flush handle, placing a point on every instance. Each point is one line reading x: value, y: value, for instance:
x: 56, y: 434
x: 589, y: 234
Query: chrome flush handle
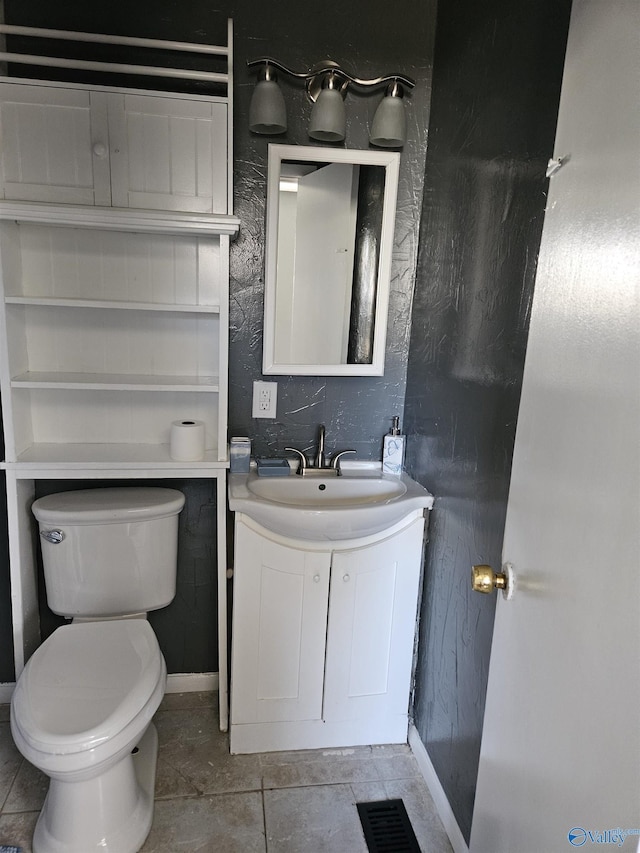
x: 53, y: 536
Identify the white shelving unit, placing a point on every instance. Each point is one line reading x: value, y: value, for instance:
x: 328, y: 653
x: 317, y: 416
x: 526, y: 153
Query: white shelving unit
x: 114, y: 318
x: 112, y: 332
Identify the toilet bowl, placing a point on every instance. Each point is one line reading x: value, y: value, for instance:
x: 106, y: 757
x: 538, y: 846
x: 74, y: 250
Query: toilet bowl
x: 82, y: 705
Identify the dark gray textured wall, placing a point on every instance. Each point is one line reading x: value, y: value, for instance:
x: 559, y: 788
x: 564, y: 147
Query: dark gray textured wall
x: 496, y: 84
x: 369, y: 42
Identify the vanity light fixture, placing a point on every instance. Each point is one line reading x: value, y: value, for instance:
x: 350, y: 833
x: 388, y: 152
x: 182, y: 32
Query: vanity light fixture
x: 326, y: 84
x: 328, y: 121
x: 389, y: 128
x: 267, y: 111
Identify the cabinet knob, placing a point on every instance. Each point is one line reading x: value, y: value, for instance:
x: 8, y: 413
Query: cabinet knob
x: 316, y: 578
x: 100, y: 150
x: 346, y: 578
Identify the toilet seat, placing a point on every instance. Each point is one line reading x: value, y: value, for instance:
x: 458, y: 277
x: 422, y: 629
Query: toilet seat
x: 85, y: 684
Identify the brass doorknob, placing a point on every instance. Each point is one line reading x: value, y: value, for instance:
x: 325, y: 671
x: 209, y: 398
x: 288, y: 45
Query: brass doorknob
x: 484, y: 579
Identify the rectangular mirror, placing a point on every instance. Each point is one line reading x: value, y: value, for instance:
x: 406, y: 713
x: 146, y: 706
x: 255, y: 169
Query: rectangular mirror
x: 330, y: 223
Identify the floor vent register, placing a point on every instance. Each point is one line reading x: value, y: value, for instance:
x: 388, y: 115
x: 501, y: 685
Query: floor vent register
x: 387, y: 828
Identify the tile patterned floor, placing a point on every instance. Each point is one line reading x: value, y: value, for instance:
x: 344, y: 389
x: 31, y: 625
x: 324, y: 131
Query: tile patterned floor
x: 208, y: 800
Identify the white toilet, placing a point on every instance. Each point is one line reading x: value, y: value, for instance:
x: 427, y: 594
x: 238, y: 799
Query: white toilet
x: 81, y: 710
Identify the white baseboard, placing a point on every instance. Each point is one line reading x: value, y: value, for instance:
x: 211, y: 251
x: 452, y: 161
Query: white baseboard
x: 6, y: 692
x: 192, y: 682
x: 437, y: 792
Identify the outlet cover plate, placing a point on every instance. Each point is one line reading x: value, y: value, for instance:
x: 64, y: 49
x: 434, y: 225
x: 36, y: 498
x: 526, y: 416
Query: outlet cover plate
x: 265, y: 399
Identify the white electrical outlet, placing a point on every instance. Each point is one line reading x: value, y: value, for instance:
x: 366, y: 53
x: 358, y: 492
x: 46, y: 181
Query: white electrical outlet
x: 265, y: 399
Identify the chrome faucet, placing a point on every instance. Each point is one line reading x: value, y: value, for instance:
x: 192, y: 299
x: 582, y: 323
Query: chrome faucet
x: 320, y: 461
x: 319, y: 466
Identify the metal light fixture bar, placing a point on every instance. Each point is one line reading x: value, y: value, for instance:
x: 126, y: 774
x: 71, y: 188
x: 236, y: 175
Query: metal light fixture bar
x: 326, y: 84
x: 313, y: 77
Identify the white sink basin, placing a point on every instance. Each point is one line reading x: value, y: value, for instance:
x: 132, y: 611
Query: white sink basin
x: 359, y: 503
x: 326, y: 491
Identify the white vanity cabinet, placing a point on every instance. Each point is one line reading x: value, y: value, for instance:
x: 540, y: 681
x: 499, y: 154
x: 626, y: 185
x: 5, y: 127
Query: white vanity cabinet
x: 323, y: 637
x: 73, y: 145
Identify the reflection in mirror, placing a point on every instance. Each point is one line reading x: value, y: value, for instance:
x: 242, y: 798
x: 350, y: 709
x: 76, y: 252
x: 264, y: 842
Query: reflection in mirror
x: 329, y: 235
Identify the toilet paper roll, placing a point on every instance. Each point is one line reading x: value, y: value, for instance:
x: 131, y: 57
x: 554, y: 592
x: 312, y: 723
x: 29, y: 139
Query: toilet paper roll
x: 187, y: 441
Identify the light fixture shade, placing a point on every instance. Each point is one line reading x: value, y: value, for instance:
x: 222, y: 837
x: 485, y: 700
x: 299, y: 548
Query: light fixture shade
x: 389, y: 128
x: 328, y: 117
x: 267, y: 111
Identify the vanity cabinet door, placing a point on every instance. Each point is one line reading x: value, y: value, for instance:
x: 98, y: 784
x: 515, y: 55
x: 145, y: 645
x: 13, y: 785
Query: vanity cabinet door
x: 370, y: 635
x: 279, y: 630
x: 54, y: 145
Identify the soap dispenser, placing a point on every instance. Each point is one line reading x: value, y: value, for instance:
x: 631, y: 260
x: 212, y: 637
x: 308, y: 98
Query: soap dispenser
x: 393, y: 450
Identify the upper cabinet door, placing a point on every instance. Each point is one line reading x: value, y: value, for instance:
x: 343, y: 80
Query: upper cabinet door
x: 53, y: 145
x: 168, y: 154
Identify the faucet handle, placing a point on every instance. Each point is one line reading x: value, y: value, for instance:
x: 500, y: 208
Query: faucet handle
x: 335, y: 459
x: 303, y: 459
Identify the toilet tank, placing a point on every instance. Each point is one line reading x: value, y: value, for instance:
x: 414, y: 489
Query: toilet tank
x: 109, y: 551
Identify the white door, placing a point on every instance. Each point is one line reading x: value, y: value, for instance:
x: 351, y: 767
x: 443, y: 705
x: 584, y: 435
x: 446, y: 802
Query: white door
x: 323, y: 266
x: 560, y: 756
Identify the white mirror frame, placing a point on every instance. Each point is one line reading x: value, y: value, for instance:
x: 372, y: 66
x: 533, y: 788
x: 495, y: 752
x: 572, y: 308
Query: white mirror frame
x: 304, y: 154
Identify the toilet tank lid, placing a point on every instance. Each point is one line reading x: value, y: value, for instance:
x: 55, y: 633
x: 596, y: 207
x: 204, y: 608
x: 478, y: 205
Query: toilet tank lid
x: 108, y: 505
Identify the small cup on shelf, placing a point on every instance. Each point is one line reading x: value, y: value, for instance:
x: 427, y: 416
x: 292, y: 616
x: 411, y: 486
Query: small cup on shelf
x: 240, y: 455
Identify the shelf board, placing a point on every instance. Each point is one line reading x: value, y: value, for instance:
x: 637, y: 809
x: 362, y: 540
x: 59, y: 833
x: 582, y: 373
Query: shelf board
x: 119, y: 218
x: 70, y: 302
x: 105, y: 457
x: 115, y: 382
